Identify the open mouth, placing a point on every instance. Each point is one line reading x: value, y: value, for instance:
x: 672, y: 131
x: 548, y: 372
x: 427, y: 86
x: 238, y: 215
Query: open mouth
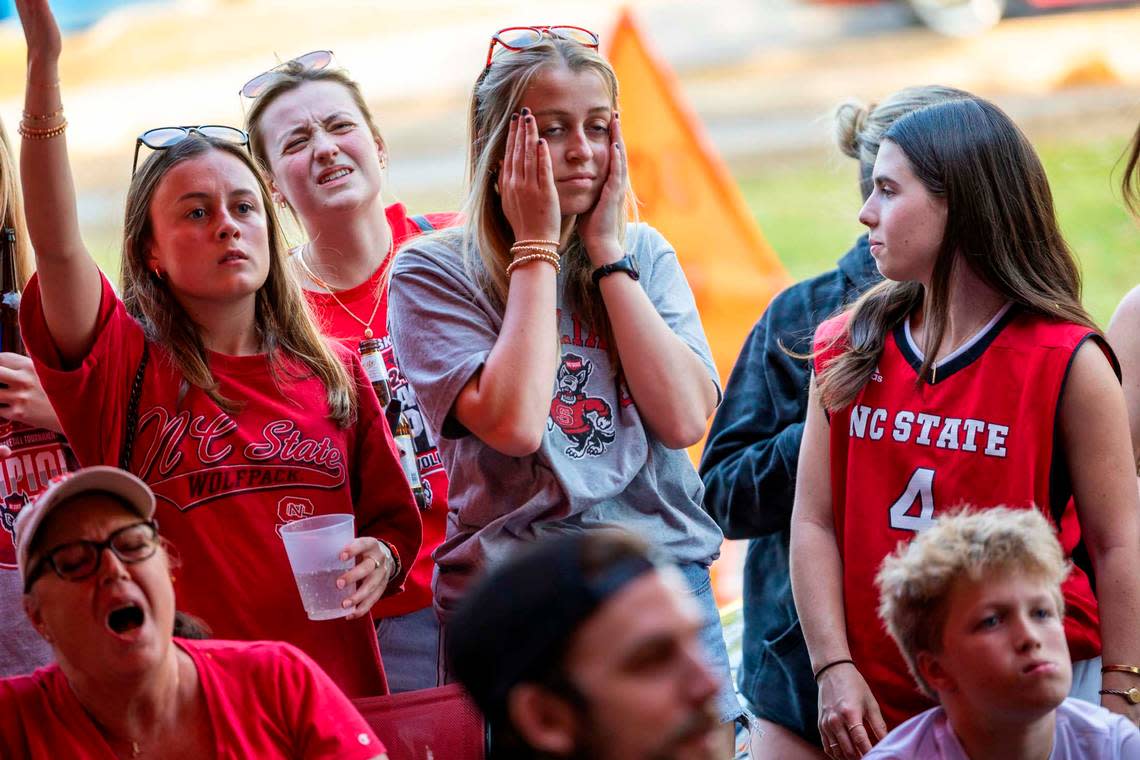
x: 331, y: 176
x: 122, y: 620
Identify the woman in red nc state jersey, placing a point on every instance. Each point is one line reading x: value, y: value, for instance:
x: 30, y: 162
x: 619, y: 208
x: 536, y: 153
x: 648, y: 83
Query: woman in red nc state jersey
x: 210, y: 381
x: 310, y: 127
x: 972, y: 374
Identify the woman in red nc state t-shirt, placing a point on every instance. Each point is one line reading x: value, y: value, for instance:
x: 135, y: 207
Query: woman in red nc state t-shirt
x: 246, y: 417
x: 310, y: 126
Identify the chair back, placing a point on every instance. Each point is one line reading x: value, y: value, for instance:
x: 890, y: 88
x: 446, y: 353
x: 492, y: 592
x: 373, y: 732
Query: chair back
x: 428, y: 724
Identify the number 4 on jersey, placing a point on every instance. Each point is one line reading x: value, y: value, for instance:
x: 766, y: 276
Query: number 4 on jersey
x: 920, y: 488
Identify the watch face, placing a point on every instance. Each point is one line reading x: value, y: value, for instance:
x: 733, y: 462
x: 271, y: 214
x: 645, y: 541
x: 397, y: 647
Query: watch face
x: 1134, y: 696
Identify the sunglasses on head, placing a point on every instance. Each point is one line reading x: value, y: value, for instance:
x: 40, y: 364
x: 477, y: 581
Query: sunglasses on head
x: 311, y: 61
x: 516, y: 38
x: 161, y: 138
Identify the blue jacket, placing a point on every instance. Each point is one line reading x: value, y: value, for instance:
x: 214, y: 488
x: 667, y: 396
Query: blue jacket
x: 749, y: 470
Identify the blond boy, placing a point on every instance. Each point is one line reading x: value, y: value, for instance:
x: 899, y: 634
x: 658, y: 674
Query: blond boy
x: 975, y: 606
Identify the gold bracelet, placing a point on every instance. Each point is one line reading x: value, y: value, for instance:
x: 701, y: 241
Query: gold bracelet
x: 552, y: 243
x: 31, y: 133
x: 1121, y: 669
x: 523, y: 260
x: 523, y: 249
x: 46, y: 117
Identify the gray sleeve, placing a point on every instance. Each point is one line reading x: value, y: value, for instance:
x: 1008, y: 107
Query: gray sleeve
x: 665, y: 283
x: 441, y: 330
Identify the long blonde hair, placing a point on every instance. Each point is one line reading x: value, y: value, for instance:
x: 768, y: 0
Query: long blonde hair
x: 487, y: 235
x: 12, y: 211
x: 282, y: 320
x: 1000, y: 223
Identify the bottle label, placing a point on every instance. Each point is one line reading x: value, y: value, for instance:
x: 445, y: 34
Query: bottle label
x: 407, y: 449
x: 374, y: 367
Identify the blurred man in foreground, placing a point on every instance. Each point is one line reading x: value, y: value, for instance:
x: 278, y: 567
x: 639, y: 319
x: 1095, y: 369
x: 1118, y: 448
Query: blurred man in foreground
x: 584, y: 646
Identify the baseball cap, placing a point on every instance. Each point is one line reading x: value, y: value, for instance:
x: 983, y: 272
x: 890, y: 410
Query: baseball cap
x: 515, y: 624
x: 133, y: 492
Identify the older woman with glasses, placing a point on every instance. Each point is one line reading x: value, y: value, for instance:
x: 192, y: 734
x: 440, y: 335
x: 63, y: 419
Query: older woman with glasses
x: 98, y: 589
x: 211, y: 381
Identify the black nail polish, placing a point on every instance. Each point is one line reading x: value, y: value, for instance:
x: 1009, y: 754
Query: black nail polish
x: 525, y: 111
x: 514, y: 117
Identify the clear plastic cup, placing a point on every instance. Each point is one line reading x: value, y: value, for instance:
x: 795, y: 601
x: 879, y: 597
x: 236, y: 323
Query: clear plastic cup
x: 314, y: 545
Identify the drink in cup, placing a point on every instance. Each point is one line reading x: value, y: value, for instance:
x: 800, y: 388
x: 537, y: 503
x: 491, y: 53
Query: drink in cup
x: 314, y: 545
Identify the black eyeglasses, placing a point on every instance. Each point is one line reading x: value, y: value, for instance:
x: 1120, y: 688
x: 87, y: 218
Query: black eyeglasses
x: 77, y: 560
x: 311, y: 61
x: 161, y: 138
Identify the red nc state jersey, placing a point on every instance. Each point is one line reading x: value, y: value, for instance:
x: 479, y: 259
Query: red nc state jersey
x: 985, y: 433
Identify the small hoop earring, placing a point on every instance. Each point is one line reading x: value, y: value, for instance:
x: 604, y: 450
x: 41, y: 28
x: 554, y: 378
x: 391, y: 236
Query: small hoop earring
x: 157, y: 273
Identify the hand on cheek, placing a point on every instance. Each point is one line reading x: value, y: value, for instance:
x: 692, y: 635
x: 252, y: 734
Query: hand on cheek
x: 599, y: 227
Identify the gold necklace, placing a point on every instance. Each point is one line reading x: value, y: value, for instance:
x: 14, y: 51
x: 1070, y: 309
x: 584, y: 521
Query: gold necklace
x: 387, y: 263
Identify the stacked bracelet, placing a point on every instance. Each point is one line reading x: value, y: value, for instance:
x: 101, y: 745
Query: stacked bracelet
x: 1134, y: 670
x: 37, y: 133
x: 544, y: 243
x: 549, y: 258
x: 45, y: 117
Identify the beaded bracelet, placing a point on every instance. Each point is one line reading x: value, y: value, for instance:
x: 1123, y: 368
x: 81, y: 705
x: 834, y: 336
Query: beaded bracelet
x: 523, y: 260
x: 31, y: 133
x: 522, y: 249
x: 551, y: 243
x: 45, y: 117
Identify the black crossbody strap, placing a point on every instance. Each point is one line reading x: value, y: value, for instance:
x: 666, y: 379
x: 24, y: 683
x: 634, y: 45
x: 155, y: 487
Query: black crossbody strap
x: 132, y: 420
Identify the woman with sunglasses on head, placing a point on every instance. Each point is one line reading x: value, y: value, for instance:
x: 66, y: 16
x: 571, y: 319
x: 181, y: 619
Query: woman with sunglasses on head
x: 325, y: 159
x: 555, y: 346
x: 126, y: 683
x: 211, y: 381
x: 971, y: 374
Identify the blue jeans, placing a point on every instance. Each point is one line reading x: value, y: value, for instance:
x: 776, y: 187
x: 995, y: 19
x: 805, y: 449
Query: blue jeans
x: 712, y: 636
x: 409, y: 649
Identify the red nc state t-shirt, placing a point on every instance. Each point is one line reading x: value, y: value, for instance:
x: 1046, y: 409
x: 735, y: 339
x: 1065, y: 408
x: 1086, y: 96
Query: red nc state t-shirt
x: 264, y: 700
x: 225, y: 483
x: 333, y: 321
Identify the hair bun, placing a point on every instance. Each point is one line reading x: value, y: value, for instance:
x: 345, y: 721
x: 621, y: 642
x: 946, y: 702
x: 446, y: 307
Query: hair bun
x: 850, y: 118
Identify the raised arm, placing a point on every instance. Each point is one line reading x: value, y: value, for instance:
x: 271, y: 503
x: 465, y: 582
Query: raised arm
x: 817, y: 584
x: 69, y: 278
x: 675, y: 409
x: 507, y: 401
x: 1095, y: 432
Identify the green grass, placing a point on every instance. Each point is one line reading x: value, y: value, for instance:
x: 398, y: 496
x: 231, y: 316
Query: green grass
x: 808, y: 210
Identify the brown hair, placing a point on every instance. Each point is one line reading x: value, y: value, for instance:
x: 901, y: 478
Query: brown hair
x: 487, y: 235
x: 12, y: 210
x: 859, y: 127
x: 1000, y: 223
x: 281, y: 317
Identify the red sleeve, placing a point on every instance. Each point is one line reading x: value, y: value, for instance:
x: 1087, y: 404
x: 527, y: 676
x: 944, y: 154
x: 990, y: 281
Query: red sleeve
x: 383, y: 502
x: 322, y: 719
x: 830, y: 341
x: 90, y: 399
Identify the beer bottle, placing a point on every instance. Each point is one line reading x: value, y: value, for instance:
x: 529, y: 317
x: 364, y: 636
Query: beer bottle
x: 9, y: 295
x: 376, y: 370
x: 405, y: 444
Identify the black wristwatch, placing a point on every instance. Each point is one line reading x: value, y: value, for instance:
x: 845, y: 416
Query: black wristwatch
x: 626, y: 264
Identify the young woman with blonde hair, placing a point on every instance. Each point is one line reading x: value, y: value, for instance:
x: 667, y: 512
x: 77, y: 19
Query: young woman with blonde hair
x: 210, y: 381
x: 555, y: 346
x: 971, y: 374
